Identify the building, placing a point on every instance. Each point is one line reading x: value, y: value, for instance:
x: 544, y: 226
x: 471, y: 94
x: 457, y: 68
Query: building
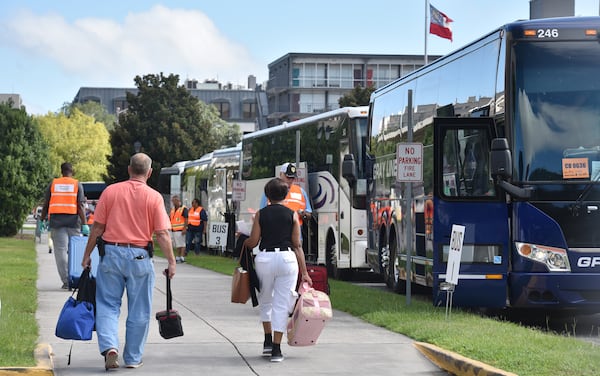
x: 244, y: 107
x: 551, y: 8
x: 14, y: 99
x: 301, y: 84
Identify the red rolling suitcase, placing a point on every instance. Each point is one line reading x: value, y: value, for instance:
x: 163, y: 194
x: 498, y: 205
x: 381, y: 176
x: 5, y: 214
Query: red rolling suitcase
x: 318, y: 274
x: 311, y: 313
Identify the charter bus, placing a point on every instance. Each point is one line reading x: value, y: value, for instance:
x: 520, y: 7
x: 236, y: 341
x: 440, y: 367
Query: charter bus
x: 169, y: 182
x: 336, y: 235
x: 510, y: 128
x: 210, y: 179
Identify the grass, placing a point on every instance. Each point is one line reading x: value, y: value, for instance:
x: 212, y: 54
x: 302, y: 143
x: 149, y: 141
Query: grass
x: 505, y: 345
x: 18, y: 292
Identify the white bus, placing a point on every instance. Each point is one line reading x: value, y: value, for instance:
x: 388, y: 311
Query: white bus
x: 169, y: 182
x: 210, y: 179
x: 317, y: 145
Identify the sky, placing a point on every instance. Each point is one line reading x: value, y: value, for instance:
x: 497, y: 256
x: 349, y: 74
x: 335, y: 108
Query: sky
x: 50, y: 49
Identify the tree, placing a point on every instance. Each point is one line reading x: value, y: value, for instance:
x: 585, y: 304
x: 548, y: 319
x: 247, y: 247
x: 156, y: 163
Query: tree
x: 167, y: 123
x: 25, y: 171
x: 93, y: 109
x: 359, y: 96
x: 79, y: 140
x: 226, y: 135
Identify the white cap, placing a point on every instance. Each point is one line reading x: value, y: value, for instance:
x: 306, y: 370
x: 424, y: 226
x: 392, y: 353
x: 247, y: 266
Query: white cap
x: 288, y: 169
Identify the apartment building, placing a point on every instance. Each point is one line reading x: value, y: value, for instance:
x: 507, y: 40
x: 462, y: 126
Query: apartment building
x: 301, y: 84
x: 245, y: 107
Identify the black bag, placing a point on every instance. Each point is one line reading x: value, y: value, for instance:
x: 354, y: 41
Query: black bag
x: 86, y: 288
x: 169, y: 321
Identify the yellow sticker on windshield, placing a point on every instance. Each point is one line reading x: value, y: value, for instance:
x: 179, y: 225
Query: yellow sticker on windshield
x: 575, y: 168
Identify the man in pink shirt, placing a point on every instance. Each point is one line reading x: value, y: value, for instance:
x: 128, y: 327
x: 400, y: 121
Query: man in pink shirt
x: 127, y: 215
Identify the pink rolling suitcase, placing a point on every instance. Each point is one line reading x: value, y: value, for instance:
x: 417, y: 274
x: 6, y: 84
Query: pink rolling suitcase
x: 312, y: 311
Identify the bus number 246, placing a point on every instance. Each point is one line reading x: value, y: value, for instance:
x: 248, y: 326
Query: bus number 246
x: 547, y: 33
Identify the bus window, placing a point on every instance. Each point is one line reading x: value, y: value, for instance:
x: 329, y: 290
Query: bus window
x: 466, y: 163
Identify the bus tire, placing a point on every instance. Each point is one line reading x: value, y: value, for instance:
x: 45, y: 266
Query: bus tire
x: 395, y: 283
x: 331, y: 257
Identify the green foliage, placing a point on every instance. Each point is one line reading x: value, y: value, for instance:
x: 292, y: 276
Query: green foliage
x: 359, y: 96
x: 93, y: 109
x: 25, y: 168
x: 225, y: 134
x: 79, y: 139
x: 18, y: 326
x: 168, y: 123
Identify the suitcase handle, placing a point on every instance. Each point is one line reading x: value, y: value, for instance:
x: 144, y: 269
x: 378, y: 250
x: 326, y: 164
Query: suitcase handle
x: 304, y: 286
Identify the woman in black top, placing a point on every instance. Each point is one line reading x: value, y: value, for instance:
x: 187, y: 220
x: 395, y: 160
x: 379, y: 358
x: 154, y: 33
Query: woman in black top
x: 281, y: 255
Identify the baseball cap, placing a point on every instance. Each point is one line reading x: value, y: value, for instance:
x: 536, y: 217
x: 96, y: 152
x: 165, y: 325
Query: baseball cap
x: 289, y: 170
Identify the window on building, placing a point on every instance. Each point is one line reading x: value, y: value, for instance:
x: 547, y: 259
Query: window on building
x: 224, y: 109
x: 321, y: 75
x: 334, y: 75
x: 358, y: 76
x: 119, y: 104
x: 296, y: 76
x: 347, y: 76
x: 249, y: 110
x: 310, y: 75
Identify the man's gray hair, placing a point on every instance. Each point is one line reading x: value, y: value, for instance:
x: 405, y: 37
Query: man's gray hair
x: 140, y: 163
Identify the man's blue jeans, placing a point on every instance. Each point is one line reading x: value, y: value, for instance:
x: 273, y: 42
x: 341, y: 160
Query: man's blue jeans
x: 196, y: 237
x: 124, y: 268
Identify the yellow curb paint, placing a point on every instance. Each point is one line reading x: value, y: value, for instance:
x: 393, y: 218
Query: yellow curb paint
x: 45, y: 366
x: 457, y: 364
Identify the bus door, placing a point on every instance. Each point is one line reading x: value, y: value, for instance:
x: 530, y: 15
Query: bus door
x: 344, y: 215
x: 464, y: 194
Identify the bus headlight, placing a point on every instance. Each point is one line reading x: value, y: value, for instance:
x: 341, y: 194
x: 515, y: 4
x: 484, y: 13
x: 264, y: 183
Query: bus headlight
x: 555, y: 259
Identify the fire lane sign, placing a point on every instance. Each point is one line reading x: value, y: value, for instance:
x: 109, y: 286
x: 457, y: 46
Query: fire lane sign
x: 409, y: 162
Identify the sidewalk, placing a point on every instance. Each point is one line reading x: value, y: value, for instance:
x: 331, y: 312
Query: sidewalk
x: 222, y: 338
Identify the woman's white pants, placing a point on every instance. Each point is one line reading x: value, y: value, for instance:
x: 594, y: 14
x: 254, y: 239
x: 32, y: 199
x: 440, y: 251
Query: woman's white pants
x: 278, y: 275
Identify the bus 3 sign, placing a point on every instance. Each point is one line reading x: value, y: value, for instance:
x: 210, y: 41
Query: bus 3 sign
x: 409, y: 162
x: 217, y: 234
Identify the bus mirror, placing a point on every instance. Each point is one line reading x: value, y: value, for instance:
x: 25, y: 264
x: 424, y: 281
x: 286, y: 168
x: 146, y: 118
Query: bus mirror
x: 500, y: 159
x: 349, y: 168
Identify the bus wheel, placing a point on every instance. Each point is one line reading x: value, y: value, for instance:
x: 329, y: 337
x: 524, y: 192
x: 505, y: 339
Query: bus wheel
x: 331, y: 258
x: 393, y: 274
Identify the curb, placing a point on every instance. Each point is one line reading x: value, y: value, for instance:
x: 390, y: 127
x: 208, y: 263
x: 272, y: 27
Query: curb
x: 457, y: 364
x: 43, y: 358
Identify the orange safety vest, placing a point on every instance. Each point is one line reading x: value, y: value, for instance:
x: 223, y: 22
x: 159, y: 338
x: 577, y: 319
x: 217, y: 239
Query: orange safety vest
x: 63, y: 196
x: 194, y: 216
x: 90, y: 220
x: 177, y: 219
x: 295, y: 200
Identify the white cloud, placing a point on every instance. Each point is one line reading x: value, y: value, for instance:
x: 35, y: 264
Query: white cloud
x: 179, y: 41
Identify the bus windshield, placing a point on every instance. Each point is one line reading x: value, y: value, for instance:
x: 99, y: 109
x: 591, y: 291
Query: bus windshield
x: 557, y: 111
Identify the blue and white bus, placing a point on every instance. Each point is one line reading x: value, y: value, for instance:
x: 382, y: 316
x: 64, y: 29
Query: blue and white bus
x: 336, y: 235
x: 510, y: 127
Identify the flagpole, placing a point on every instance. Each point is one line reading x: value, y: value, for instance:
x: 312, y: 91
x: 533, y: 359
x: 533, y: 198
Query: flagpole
x: 426, y: 17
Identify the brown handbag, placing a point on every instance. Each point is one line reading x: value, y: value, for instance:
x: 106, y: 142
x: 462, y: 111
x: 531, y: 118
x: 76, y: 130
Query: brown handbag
x: 240, y: 286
